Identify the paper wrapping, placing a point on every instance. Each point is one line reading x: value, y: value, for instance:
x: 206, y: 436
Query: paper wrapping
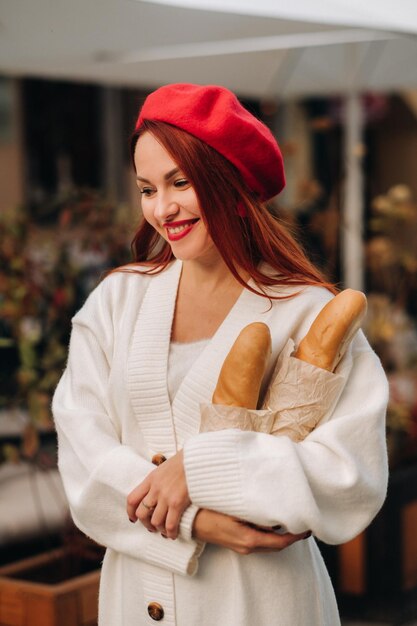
x: 298, y: 398
x: 220, y: 416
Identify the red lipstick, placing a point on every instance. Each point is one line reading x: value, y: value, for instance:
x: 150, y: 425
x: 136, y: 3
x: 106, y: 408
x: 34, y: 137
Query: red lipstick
x: 188, y: 226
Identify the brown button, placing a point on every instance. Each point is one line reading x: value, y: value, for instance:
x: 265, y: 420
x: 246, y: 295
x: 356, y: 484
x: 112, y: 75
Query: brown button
x: 158, y: 458
x: 156, y: 611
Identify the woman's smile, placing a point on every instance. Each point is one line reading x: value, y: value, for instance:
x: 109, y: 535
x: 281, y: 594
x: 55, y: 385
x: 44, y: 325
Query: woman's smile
x: 178, y: 230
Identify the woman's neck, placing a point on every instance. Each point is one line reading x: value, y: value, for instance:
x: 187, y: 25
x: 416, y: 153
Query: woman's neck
x: 206, y: 294
x: 210, y: 275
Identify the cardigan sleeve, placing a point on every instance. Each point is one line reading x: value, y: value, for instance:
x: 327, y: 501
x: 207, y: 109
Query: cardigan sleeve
x: 99, y: 471
x: 333, y: 482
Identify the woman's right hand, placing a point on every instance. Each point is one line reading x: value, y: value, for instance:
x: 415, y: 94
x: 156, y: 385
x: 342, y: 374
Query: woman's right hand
x: 237, y: 535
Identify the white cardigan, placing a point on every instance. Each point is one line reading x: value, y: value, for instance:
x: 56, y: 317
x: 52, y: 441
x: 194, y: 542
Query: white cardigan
x: 113, y: 413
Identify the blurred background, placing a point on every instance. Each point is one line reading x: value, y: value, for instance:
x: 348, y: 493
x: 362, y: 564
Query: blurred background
x: 336, y: 82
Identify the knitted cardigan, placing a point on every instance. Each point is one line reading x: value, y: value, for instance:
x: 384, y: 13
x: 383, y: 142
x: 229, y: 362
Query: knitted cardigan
x: 112, y: 413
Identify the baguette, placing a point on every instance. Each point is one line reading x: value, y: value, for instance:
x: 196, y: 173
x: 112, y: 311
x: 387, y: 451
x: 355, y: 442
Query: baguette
x: 240, y: 378
x: 332, y: 330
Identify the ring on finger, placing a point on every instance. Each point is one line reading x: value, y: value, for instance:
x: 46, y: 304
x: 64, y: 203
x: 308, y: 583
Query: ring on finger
x: 150, y: 508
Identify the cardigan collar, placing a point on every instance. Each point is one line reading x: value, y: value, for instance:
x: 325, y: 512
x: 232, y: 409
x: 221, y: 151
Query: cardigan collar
x: 166, y: 427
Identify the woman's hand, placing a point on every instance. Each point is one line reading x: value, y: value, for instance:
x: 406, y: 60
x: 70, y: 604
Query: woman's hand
x: 161, y: 499
x: 237, y: 535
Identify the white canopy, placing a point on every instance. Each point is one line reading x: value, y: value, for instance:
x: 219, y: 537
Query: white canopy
x: 262, y: 48
x: 392, y: 15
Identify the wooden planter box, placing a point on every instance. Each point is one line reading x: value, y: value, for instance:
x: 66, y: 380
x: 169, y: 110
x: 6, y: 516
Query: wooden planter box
x: 56, y: 588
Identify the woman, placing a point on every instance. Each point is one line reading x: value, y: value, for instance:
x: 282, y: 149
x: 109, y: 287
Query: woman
x: 146, y: 350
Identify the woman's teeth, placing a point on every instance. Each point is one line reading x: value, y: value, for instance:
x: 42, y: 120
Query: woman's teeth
x: 178, y: 229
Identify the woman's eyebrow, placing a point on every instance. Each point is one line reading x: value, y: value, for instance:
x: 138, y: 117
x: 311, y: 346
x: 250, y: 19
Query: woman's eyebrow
x: 171, y: 173
x: 167, y: 176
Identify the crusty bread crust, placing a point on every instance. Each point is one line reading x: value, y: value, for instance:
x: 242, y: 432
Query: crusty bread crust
x: 241, y: 376
x: 332, y: 330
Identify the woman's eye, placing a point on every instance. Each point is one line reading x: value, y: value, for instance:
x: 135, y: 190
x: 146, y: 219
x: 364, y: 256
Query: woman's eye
x: 146, y: 191
x: 181, y: 182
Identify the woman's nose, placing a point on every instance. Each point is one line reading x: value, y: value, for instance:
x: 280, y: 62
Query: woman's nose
x: 165, y: 208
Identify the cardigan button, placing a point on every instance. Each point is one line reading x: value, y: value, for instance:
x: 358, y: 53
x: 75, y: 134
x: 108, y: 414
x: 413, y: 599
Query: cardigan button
x: 155, y: 611
x: 158, y: 458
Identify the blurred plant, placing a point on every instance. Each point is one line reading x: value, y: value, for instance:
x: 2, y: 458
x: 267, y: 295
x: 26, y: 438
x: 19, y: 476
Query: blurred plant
x: 392, y: 250
x: 391, y: 332
x: 392, y: 282
x: 45, y: 275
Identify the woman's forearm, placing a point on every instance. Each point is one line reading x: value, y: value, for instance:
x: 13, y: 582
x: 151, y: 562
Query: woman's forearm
x: 237, y: 535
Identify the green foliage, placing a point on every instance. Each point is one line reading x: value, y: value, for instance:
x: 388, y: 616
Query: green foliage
x: 45, y: 275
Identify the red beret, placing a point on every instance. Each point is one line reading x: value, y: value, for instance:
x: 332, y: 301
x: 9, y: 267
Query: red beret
x: 214, y: 115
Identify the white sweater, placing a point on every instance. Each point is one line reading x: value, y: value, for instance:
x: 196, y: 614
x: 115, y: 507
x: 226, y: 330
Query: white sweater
x: 113, y: 412
x: 181, y: 357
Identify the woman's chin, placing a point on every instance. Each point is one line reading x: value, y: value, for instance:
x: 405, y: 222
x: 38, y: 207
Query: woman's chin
x: 194, y: 253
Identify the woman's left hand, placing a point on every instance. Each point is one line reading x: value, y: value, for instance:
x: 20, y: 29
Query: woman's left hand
x: 161, y: 499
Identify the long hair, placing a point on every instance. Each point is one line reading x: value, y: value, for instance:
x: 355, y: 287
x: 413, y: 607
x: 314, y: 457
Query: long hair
x: 245, y: 233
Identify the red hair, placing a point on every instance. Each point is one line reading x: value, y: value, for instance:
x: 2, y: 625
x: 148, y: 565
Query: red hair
x: 243, y: 242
